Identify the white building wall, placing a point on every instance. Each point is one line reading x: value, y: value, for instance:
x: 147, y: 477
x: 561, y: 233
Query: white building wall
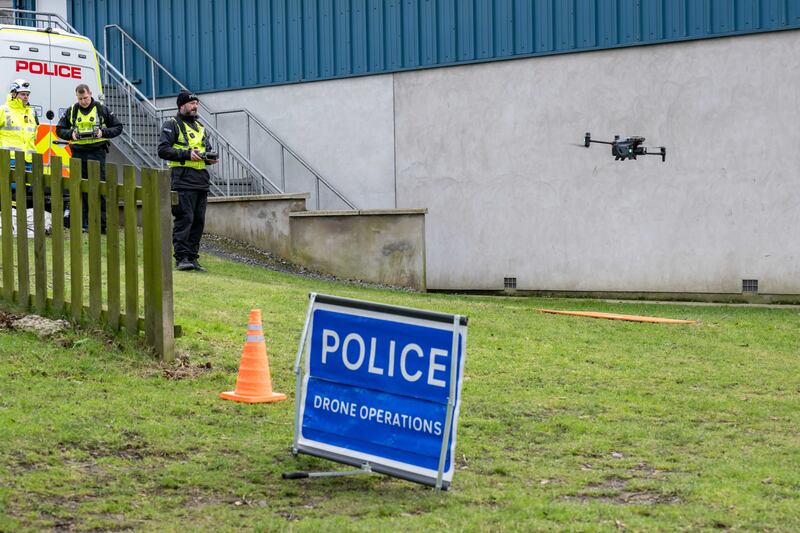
x: 342, y: 128
x: 59, y: 7
x: 494, y: 151
x: 491, y: 151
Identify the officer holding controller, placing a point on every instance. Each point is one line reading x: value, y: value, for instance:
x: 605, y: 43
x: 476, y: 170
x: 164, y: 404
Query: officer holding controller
x: 88, y: 125
x: 187, y: 149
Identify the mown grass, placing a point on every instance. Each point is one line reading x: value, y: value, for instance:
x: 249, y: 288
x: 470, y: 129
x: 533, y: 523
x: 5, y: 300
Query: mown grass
x: 566, y: 423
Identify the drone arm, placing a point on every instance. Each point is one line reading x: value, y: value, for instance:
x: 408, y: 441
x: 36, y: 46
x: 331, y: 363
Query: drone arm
x: 662, y: 151
x: 587, y: 139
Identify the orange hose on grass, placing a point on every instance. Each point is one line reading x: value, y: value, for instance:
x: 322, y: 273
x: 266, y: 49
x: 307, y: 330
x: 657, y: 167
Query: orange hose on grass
x: 615, y: 316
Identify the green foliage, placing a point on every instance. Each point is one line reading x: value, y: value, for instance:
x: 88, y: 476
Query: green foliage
x: 566, y: 423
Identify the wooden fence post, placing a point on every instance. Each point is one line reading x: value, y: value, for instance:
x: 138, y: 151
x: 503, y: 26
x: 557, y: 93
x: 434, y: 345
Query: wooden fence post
x: 164, y: 248
x: 158, y: 310
x: 39, y: 246
x: 75, y: 240
x: 57, y: 211
x: 5, y: 217
x: 23, y: 265
x: 131, y: 252
x: 95, y: 255
x: 112, y: 246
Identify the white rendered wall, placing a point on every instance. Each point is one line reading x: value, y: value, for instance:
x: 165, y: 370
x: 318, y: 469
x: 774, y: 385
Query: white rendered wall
x: 491, y: 151
x: 59, y: 7
x: 494, y: 151
x: 342, y: 128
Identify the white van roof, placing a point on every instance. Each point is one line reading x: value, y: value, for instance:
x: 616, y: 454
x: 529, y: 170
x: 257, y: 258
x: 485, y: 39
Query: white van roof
x: 39, y: 36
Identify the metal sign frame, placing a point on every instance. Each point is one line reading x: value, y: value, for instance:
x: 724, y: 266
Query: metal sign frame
x: 457, y: 324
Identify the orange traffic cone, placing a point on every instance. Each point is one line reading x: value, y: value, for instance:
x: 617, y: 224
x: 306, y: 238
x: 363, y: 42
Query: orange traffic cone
x: 254, y: 383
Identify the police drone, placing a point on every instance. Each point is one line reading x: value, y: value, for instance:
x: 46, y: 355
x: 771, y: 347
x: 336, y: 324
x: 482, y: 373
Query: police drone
x: 629, y: 148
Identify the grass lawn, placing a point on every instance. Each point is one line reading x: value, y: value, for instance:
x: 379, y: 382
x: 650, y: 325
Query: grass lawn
x: 566, y: 423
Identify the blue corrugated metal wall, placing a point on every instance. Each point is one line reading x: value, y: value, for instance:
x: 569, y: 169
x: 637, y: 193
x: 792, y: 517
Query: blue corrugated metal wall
x: 222, y: 44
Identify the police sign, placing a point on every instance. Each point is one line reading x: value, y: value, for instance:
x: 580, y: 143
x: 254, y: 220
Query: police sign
x: 380, y: 387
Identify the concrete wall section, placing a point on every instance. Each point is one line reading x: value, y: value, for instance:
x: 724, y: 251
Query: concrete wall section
x: 381, y: 246
x: 342, y: 128
x: 494, y: 151
x: 385, y: 246
x: 262, y: 221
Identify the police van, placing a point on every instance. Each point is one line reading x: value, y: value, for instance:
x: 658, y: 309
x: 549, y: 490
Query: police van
x: 54, y: 62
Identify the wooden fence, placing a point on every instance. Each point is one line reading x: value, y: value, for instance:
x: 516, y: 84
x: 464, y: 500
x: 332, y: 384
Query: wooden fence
x: 114, y: 308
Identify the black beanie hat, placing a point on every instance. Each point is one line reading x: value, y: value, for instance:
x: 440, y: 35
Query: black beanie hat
x: 185, y: 97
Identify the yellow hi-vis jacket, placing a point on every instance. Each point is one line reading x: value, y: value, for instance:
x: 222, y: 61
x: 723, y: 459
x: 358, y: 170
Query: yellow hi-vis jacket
x: 189, y: 138
x: 18, y: 127
x: 86, y: 124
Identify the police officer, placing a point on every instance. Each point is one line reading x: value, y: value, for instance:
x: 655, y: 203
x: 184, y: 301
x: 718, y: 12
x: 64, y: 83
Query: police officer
x: 187, y: 149
x: 88, y: 125
x: 18, y: 121
x: 18, y: 124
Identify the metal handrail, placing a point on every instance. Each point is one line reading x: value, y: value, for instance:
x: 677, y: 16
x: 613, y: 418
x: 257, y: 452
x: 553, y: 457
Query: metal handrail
x: 158, y: 113
x: 124, y: 35
x: 148, y: 106
x: 285, y: 147
x: 240, y: 157
x: 39, y: 15
x: 153, y: 61
x: 134, y: 95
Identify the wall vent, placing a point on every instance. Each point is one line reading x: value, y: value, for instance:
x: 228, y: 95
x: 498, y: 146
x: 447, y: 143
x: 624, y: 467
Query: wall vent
x: 509, y: 283
x: 749, y: 285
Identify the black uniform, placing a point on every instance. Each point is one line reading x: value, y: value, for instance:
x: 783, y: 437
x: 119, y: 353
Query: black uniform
x: 110, y: 126
x: 191, y: 184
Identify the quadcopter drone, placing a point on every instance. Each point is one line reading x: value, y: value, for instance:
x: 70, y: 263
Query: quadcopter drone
x: 630, y: 148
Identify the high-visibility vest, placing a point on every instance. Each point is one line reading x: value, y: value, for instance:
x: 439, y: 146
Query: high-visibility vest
x: 86, y: 124
x: 18, y: 127
x: 189, y: 139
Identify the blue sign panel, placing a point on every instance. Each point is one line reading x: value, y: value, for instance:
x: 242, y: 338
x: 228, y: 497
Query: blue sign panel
x: 380, y: 388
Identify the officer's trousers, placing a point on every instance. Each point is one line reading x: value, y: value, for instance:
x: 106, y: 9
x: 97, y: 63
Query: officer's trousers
x: 98, y: 155
x: 189, y: 219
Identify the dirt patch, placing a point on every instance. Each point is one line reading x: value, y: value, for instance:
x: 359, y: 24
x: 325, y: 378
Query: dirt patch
x: 20, y: 463
x: 41, y: 326
x: 133, y: 448
x: 289, y: 515
x: 247, y: 254
x: 183, y: 368
x: 644, y: 497
x: 643, y: 470
x: 68, y: 518
x: 61, y: 524
x: 131, y: 451
x: 613, y: 482
x: 193, y: 497
x: 7, y: 319
x: 615, y: 490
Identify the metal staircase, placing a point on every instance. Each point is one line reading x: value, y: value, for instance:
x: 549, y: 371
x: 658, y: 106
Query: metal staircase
x: 244, y: 172
x: 236, y: 174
